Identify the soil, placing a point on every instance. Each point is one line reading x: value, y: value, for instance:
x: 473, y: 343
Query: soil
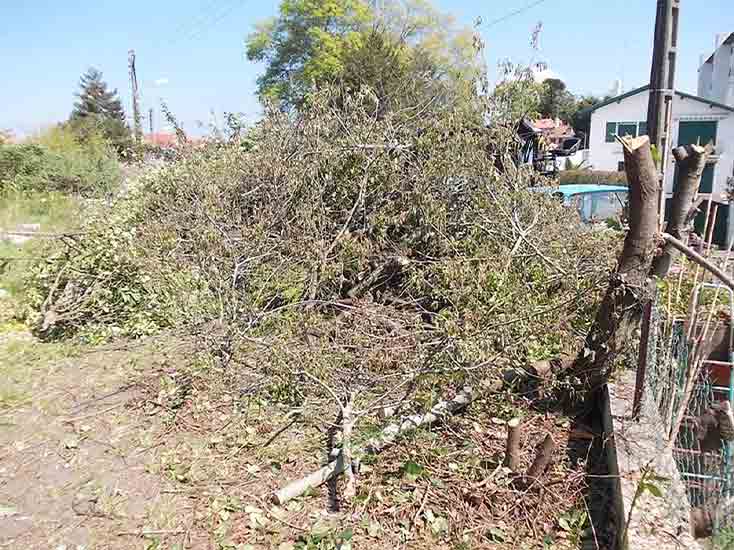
x: 141, y: 445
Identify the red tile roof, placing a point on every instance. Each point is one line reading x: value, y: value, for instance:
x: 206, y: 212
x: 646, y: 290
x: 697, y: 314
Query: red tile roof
x: 159, y: 138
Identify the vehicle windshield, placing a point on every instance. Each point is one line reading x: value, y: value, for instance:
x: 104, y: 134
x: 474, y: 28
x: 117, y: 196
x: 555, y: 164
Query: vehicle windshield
x: 599, y: 206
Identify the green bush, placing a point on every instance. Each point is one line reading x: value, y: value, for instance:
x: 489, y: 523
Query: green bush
x: 57, y: 160
x: 569, y: 177
x: 266, y: 237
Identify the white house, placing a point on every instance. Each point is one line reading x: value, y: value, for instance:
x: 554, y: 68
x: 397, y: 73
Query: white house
x: 716, y: 73
x: 694, y: 120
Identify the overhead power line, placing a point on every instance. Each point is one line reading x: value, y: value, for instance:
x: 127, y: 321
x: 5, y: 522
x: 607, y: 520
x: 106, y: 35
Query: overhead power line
x: 514, y: 13
x: 201, y: 25
x: 185, y: 26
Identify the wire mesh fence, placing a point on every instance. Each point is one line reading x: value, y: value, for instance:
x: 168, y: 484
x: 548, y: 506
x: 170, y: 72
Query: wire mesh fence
x: 707, y: 475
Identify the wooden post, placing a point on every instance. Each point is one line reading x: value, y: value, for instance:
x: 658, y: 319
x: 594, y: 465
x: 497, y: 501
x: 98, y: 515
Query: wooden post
x: 642, y: 360
x: 134, y: 90
x: 662, y: 84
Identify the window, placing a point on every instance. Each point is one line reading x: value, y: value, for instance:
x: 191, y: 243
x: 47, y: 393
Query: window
x: 627, y: 129
x: 611, y: 130
x: 606, y: 206
x: 622, y: 129
x: 620, y: 166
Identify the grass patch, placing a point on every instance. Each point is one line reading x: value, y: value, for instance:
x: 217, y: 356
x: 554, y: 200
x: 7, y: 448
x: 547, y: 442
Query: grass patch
x: 53, y: 212
x: 22, y: 362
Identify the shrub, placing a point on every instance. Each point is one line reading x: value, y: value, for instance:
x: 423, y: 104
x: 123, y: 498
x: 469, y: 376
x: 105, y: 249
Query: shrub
x: 57, y: 160
x: 569, y: 177
x: 417, y: 222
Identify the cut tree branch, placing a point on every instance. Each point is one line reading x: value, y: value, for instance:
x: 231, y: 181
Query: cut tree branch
x: 543, y: 458
x: 691, y: 161
x: 700, y: 260
x: 512, y: 453
x: 388, y: 436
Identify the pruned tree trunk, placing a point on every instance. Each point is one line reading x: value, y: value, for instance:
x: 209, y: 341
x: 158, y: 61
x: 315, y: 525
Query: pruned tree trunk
x: 620, y: 310
x: 542, y: 459
x: 512, y: 452
x: 702, y: 523
x: 691, y: 160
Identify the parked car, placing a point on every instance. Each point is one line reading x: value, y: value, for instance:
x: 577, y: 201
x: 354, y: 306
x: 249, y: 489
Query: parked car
x: 595, y: 203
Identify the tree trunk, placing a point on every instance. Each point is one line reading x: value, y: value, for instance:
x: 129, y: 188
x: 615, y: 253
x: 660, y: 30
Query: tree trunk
x: 512, y: 451
x: 691, y: 160
x: 620, y: 310
x: 542, y: 459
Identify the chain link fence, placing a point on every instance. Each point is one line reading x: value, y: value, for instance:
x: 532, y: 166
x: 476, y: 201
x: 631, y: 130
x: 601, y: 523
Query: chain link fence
x: 708, y: 476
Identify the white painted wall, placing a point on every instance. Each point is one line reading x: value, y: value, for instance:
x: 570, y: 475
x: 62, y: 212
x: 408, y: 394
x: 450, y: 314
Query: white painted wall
x: 705, y: 75
x: 716, y: 79
x: 606, y: 156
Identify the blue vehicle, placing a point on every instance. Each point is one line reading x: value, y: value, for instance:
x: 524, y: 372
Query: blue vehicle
x: 595, y: 203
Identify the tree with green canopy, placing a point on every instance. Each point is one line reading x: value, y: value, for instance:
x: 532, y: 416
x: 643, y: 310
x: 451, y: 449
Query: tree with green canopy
x: 95, y: 99
x: 311, y: 43
x: 99, y: 109
x: 556, y: 101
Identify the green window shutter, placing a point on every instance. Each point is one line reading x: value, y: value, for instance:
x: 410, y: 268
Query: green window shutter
x: 642, y: 125
x: 627, y: 129
x: 611, y: 130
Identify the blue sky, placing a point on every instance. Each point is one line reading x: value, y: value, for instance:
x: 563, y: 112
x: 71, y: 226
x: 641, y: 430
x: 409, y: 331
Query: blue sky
x: 190, y: 52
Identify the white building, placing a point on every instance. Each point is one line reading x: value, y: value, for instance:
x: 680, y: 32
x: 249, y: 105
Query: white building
x: 716, y: 73
x: 695, y: 120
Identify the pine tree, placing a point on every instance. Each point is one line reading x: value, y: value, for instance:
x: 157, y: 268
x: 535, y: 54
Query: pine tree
x: 95, y: 99
x: 99, y: 110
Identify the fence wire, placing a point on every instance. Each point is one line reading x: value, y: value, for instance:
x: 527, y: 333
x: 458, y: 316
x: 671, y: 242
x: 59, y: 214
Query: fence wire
x: 708, y: 477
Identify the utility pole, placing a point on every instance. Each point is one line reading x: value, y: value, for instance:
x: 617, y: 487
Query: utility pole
x: 662, y: 87
x: 134, y: 88
x: 150, y: 119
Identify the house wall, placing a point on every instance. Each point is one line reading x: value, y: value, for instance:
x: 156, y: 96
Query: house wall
x: 705, y: 73
x: 716, y: 79
x: 607, y: 156
x: 720, y: 78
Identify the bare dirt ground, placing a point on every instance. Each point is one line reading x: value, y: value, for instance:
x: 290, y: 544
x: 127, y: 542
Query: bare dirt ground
x: 145, y: 445
x: 75, y: 448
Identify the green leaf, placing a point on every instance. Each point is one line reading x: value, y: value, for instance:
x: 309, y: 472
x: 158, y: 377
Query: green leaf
x: 654, y: 490
x: 563, y: 522
x: 412, y: 469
